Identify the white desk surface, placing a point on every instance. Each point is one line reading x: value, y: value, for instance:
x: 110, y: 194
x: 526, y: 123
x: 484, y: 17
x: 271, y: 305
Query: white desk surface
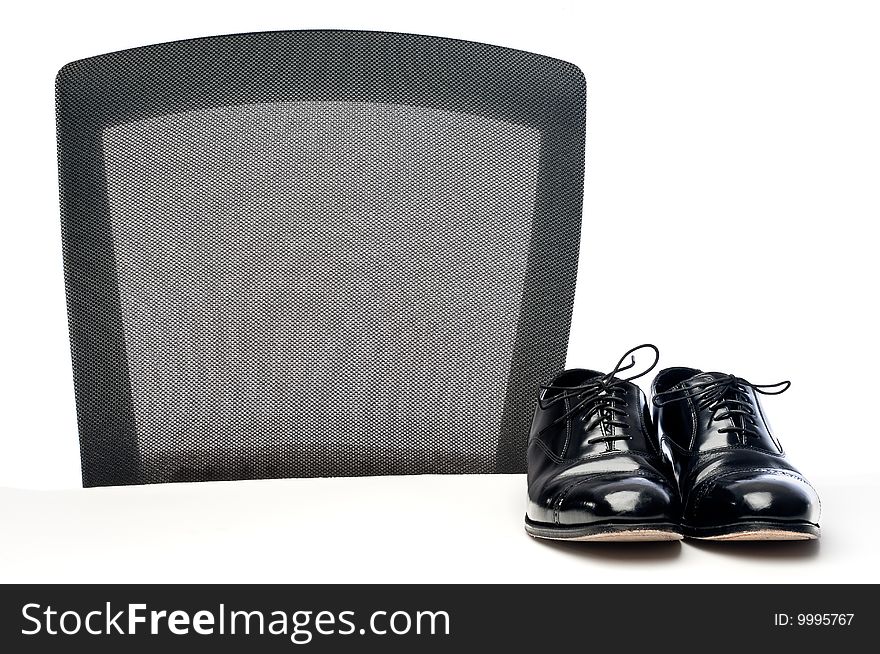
x: 391, y: 529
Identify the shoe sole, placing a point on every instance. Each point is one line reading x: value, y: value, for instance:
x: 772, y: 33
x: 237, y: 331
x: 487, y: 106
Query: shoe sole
x: 606, y: 532
x: 755, y: 531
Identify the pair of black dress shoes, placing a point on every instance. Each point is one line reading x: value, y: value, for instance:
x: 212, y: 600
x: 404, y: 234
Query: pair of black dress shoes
x: 704, y: 465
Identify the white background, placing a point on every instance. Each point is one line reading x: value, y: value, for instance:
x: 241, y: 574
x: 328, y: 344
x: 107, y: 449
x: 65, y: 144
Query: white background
x: 730, y: 217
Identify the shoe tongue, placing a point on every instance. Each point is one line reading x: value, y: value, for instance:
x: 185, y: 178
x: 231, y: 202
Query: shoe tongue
x: 572, y: 379
x: 702, y: 378
x: 582, y: 377
x: 586, y: 376
x: 593, y: 375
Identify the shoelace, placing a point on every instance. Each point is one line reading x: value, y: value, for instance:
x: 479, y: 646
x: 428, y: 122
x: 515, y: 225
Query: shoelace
x: 729, y: 395
x: 600, y: 397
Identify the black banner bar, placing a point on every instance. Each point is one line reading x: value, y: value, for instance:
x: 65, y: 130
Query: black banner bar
x: 253, y: 618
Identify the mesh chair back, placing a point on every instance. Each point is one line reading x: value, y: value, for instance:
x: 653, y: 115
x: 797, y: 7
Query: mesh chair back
x: 316, y: 253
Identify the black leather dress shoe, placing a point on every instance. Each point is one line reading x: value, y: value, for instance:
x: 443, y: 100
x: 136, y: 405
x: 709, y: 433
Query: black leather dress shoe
x: 733, y: 478
x: 594, y: 466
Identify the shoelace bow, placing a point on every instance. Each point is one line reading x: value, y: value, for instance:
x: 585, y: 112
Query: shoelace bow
x: 600, y: 397
x: 728, y: 394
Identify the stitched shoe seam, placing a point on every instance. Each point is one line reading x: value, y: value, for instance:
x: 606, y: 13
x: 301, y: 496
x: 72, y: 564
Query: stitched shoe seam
x: 590, y: 457
x: 701, y: 460
x: 654, y: 447
x: 649, y: 461
x: 689, y: 453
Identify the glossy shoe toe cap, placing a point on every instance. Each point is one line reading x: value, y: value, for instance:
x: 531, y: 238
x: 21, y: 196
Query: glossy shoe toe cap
x: 760, y: 497
x: 631, y: 499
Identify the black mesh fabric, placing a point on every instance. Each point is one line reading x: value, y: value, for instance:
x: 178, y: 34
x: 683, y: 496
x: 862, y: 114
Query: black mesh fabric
x: 316, y: 253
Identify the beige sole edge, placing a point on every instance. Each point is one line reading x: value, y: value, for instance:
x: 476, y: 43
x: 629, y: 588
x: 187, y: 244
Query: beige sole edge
x: 761, y: 534
x: 636, y: 535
